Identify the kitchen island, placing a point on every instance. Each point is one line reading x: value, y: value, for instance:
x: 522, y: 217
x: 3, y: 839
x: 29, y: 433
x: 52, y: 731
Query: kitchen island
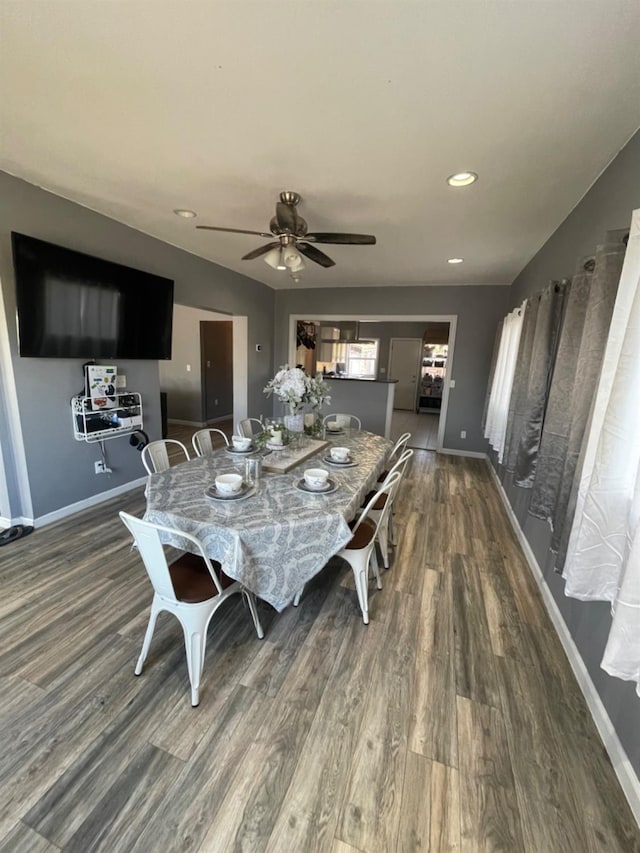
x: 370, y: 399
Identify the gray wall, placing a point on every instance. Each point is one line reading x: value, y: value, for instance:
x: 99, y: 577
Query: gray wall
x: 607, y: 206
x: 478, y: 310
x: 60, y: 469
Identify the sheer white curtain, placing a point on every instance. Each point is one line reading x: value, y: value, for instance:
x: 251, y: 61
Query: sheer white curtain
x: 603, y: 558
x: 498, y: 408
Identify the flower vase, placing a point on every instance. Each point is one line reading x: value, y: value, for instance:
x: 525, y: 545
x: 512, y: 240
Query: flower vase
x: 294, y: 423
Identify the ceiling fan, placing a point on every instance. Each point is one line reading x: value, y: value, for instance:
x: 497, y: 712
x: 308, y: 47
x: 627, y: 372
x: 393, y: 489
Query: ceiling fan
x: 293, y: 239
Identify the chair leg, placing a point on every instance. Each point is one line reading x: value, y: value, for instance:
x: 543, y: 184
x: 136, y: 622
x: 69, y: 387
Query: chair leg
x: 392, y: 532
x: 359, y: 562
x: 153, y: 615
x: 384, y: 544
x: 375, y: 567
x: 195, y: 641
x: 251, y: 601
x: 297, y: 597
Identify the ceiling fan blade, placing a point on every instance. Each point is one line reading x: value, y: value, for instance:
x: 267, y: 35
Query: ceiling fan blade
x: 347, y: 239
x: 234, y: 230
x: 262, y: 250
x: 287, y: 218
x: 315, y: 254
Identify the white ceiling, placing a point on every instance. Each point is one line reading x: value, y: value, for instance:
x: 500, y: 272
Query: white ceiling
x: 134, y: 108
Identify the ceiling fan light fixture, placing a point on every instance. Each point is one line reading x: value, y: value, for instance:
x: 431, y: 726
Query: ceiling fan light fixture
x: 298, y: 267
x: 291, y: 256
x: 274, y: 259
x: 185, y: 214
x: 462, y: 179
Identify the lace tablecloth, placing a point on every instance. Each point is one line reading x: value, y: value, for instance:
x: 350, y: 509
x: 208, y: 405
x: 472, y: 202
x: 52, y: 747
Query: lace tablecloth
x: 279, y: 538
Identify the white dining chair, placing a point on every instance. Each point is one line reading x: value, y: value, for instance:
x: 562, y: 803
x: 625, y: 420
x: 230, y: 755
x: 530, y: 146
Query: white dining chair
x: 360, y: 552
x: 203, y: 440
x: 343, y: 421
x: 192, y: 588
x: 248, y: 427
x: 384, y: 504
x: 394, y: 453
x: 155, y: 456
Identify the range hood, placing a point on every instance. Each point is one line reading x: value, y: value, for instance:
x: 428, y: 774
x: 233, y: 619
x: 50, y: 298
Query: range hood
x: 348, y: 333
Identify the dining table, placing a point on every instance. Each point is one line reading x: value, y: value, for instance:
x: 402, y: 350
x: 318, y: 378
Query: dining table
x: 279, y: 536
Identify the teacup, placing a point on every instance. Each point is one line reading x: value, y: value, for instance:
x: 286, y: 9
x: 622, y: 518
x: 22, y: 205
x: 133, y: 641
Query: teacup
x: 316, y: 478
x: 339, y: 454
x: 240, y: 442
x: 333, y: 426
x: 228, y: 484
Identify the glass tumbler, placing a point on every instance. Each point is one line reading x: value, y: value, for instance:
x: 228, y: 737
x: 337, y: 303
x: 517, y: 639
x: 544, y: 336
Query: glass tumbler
x: 252, y: 469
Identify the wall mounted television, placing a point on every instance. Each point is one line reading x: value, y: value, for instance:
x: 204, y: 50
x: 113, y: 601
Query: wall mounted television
x: 72, y: 305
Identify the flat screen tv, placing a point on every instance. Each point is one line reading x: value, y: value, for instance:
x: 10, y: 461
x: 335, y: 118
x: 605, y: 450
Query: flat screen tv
x: 72, y: 305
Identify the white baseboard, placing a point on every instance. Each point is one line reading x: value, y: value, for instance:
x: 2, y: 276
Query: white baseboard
x: 11, y: 522
x: 623, y: 768
x: 473, y: 454
x: 65, y: 511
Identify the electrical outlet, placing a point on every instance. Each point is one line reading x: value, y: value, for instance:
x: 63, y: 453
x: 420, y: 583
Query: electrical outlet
x: 463, y: 433
x: 101, y: 468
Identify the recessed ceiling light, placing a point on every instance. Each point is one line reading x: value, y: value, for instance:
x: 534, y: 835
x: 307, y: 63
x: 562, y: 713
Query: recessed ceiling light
x: 462, y: 179
x: 455, y: 260
x: 185, y: 214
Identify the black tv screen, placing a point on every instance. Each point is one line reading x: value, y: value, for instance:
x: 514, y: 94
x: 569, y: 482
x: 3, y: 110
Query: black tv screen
x: 72, y: 305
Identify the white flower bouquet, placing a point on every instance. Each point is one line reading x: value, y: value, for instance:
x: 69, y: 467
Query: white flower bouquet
x: 297, y: 390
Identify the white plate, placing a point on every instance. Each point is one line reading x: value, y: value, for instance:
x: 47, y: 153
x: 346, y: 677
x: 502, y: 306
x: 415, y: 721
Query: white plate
x: 236, y: 452
x: 331, y: 487
x: 245, y: 492
x: 350, y: 463
x: 330, y: 431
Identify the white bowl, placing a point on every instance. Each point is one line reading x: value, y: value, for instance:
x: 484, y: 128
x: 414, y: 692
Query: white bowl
x: 340, y: 454
x: 316, y: 478
x: 228, y: 484
x: 333, y: 426
x: 240, y: 442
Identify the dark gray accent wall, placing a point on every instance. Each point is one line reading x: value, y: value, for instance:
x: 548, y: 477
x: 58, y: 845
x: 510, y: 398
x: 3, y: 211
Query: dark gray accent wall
x: 478, y: 310
x: 607, y: 206
x: 61, y: 470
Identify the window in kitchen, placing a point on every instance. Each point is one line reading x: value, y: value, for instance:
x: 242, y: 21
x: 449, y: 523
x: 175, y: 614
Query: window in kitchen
x: 362, y: 359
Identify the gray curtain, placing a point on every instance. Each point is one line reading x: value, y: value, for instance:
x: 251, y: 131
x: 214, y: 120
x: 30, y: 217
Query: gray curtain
x: 559, y: 416
x: 604, y: 286
x: 543, y: 356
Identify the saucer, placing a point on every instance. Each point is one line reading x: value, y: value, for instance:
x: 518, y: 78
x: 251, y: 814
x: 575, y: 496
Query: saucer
x: 272, y: 446
x: 348, y: 463
x: 330, y: 487
x: 338, y: 431
x: 246, y: 490
x: 237, y: 452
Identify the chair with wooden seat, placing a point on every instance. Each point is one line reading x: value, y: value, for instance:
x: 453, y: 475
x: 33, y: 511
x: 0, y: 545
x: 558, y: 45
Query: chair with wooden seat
x: 384, y: 504
x: 360, y: 552
x: 343, y: 421
x: 249, y: 427
x: 203, y: 440
x: 155, y: 456
x: 192, y: 587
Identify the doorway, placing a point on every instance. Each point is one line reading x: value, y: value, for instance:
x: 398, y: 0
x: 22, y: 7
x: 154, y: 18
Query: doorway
x: 385, y: 327
x: 216, y: 342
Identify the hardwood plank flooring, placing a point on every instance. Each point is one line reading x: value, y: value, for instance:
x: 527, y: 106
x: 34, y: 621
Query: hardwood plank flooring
x: 452, y: 722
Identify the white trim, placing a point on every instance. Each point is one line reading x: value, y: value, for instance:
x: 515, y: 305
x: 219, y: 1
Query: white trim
x: 451, y: 319
x: 10, y: 522
x: 623, y: 768
x: 472, y: 454
x: 71, y: 509
x: 391, y: 393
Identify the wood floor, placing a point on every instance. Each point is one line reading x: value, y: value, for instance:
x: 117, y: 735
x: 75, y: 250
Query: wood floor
x: 451, y: 722
x: 423, y: 427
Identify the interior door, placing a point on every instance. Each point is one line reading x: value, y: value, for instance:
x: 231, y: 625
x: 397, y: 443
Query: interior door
x: 216, y: 338
x: 404, y: 360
